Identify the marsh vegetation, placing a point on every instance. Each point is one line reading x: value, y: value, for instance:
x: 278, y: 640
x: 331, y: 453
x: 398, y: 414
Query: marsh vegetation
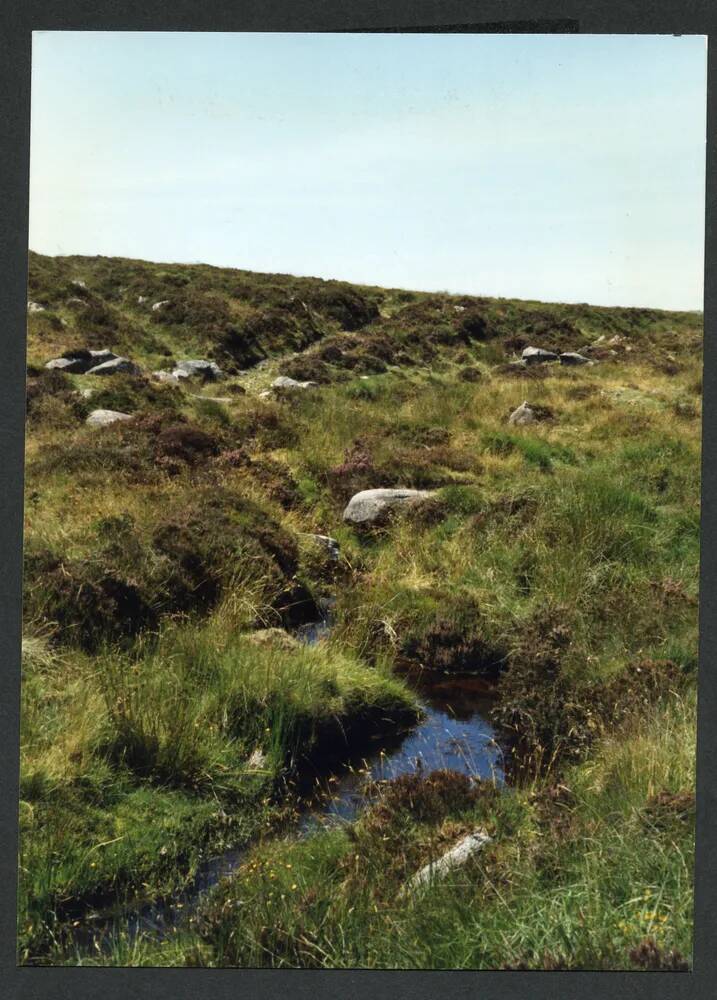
x: 171, y: 711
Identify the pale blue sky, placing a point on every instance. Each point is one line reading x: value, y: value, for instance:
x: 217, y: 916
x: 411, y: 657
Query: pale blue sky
x: 557, y: 167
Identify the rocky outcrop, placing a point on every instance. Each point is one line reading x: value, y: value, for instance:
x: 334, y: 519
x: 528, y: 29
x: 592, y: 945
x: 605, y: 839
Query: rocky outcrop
x: 81, y: 361
x: 371, y: 506
x: 101, y: 418
x: 537, y: 355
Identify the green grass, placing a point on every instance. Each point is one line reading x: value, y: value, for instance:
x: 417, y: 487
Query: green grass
x: 564, y: 555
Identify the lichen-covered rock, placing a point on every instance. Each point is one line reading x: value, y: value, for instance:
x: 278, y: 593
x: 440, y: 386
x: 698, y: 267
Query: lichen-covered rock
x: 370, y: 506
x: 537, y: 355
x: 523, y: 415
x: 283, y: 382
x: 101, y: 418
x: 207, y: 370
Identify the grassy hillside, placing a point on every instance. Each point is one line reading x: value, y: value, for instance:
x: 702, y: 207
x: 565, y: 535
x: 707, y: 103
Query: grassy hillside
x: 557, y: 560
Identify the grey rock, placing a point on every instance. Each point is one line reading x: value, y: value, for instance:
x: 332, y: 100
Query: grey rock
x: 573, y: 358
x: 160, y: 305
x: 114, y: 367
x: 76, y: 283
x: 207, y: 370
x: 523, y: 415
x: 34, y: 307
x: 283, y: 382
x: 101, y: 418
x: 266, y: 394
x: 73, y: 366
x: 163, y: 376
x: 537, y: 355
x: 465, y: 849
x: 369, y: 506
x: 141, y: 299
x: 75, y: 302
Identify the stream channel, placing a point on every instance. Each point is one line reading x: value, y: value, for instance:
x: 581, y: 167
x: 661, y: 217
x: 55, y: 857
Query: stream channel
x: 453, y: 733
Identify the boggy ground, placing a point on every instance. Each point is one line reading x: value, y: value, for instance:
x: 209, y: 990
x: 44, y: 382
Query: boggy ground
x: 556, y: 560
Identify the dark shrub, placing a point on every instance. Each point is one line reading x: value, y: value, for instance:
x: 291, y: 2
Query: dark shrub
x: 357, y: 472
x: 427, y: 798
x: 129, y: 393
x: 87, y: 601
x: 475, y: 326
x: 454, y: 641
x: 345, y: 305
x: 53, y: 385
x: 470, y: 373
x: 307, y: 368
x: 185, y: 442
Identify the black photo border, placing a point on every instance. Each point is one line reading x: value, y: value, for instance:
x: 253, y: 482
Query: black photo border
x: 18, y: 18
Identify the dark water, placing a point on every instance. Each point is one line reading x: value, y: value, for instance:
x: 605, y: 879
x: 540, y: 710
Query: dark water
x: 454, y: 733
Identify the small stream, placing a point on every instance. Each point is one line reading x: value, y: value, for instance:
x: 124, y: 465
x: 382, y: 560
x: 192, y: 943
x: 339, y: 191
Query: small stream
x: 453, y: 733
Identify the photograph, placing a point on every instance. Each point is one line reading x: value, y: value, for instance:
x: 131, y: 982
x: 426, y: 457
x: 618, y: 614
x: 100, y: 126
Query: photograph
x: 362, y: 485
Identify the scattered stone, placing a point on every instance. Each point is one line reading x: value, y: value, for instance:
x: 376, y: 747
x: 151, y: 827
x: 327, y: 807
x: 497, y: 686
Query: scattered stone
x: 99, y: 357
x: 73, y: 366
x: 141, y: 299
x: 213, y: 399
x: 74, y: 301
x: 101, y: 418
x: 276, y: 637
x: 160, y: 305
x: 266, y: 394
x: 369, y: 506
x: 325, y: 541
x: 573, y: 358
x: 114, y: 367
x: 207, y: 370
x: 459, y: 309
x: 76, y: 283
x: 523, y: 415
x: 86, y: 393
x: 465, y: 849
x: 537, y: 355
x: 283, y: 382
x: 34, y: 307
x: 164, y: 376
